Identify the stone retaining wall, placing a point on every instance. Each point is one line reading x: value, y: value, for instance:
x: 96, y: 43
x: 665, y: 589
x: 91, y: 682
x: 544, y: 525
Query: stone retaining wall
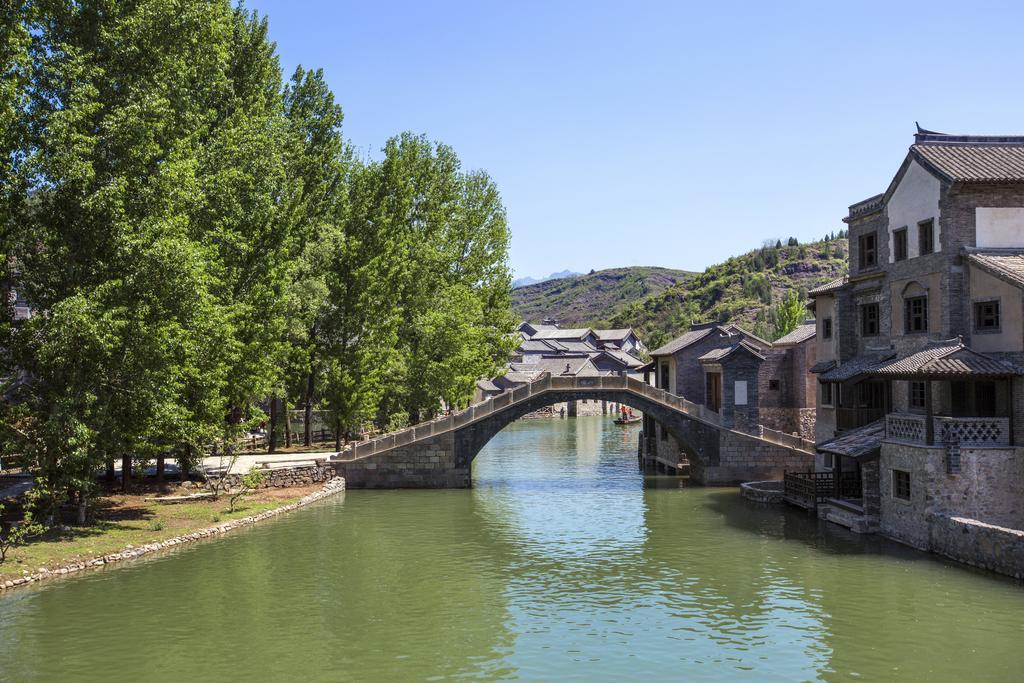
x: 332, y: 486
x: 978, y: 544
x: 286, y: 477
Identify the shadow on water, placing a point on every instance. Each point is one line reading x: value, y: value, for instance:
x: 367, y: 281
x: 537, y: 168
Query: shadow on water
x: 789, y: 523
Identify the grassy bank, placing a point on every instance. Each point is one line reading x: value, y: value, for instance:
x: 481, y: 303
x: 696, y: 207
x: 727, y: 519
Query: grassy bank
x: 130, y: 520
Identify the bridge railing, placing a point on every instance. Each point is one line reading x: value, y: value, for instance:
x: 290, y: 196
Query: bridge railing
x: 789, y: 440
x: 548, y: 382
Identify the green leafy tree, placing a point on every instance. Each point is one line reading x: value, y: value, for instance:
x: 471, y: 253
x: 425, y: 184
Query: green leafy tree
x: 318, y: 159
x: 251, y: 480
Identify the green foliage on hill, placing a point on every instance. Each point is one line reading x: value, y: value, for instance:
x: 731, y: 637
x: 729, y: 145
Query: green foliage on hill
x: 595, y: 297
x: 740, y: 290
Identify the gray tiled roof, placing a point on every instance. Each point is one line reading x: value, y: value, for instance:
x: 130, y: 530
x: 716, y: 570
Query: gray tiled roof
x: 1004, y: 264
x: 974, y: 162
x: 694, y: 336
x: 829, y: 286
x: 719, y: 354
x: 574, y: 333
x: 626, y: 358
x: 556, y: 365
x: 946, y: 359
x: 800, y: 334
x: 613, y: 335
x: 681, y: 342
x: 857, y: 443
x: 855, y: 366
x: 822, y: 366
x: 487, y: 385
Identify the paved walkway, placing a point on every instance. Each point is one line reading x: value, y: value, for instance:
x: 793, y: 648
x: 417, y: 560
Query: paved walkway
x: 245, y: 462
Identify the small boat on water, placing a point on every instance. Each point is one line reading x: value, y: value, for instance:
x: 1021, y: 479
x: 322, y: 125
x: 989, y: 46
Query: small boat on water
x: 628, y: 420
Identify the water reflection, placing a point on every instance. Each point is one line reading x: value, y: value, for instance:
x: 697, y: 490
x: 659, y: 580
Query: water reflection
x: 563, y: 562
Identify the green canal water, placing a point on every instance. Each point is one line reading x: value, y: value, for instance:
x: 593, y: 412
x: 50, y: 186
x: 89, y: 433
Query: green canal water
x: 561, y: 563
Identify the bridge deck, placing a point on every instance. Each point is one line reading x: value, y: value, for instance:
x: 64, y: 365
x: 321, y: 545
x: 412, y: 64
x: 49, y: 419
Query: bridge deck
x: 548, y: 383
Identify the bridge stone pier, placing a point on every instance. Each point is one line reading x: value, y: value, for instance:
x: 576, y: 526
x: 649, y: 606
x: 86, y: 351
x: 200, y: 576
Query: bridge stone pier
x: 440, y: 453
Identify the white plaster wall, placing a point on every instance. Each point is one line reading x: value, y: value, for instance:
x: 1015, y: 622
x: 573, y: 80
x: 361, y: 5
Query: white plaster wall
x: 999, y: 227
x: 1010, y: 337
x: 671, y: 362
x: 825, y: 307
x: 915, y: 199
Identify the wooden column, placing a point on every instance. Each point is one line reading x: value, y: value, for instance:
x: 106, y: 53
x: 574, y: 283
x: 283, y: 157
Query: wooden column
x: 929, y: 427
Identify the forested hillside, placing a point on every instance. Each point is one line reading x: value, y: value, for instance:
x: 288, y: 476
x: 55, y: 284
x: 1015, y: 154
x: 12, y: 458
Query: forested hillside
x: 590, y: 298
x: 744, y: 289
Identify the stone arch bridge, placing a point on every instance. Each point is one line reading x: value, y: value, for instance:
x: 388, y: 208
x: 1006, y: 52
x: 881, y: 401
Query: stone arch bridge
x: 439, y: 453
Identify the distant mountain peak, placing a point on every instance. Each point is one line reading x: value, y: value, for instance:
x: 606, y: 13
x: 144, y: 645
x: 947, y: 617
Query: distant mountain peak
x: 525, y: 281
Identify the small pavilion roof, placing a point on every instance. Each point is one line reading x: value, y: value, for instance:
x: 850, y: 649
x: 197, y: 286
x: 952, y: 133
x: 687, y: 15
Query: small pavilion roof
x: 861, y: 443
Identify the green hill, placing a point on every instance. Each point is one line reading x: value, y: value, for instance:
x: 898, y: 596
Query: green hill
x: 739, y: 290
x: 595, y: 297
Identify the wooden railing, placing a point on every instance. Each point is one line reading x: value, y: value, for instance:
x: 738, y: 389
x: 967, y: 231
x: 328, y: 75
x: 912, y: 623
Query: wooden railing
x: 807, y: 489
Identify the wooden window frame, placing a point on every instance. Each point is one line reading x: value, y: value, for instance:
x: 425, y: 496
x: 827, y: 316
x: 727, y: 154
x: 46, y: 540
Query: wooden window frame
x: 827, y: 394
x: 911, y: 318
x: 926, y: 246
x: 900, y: 245
x: 916, y: 389
x: 864, y: 331
x: 901, y: 484
x: 978, y: 316
x: 826, y: 328
x: 867, y: 257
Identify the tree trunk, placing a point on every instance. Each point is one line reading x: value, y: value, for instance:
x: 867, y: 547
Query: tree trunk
x: 160, y: 464
x: 184, y: 463
x: 110, y: 469
x: 307, y: 436
x: 272, y: 432
x: 287, y: 424
x: 126, y: 471
x: 337, y: 434
x: 82, y: 502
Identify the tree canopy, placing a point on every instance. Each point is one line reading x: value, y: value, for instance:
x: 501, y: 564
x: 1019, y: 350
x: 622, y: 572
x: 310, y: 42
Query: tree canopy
x: 197, y: 241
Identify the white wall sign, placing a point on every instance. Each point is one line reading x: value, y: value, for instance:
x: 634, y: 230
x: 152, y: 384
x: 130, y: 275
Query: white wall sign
x: 740, y: 394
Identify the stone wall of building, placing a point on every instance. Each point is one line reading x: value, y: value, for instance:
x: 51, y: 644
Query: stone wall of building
x: 988, y: 488
x: 800, y: 421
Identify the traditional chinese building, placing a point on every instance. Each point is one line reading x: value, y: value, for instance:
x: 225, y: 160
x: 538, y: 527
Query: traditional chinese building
x: 920, y: 352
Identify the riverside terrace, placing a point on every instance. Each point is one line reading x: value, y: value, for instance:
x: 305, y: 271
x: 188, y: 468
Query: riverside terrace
x: 439, y: 454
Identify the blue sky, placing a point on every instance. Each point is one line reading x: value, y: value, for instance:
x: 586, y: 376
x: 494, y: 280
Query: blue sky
x: 666, y: 133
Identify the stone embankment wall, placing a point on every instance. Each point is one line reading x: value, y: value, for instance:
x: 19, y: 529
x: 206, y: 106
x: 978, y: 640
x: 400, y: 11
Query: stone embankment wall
x: 331, y: 487
x: 978, y: 544
x: 287, y: 477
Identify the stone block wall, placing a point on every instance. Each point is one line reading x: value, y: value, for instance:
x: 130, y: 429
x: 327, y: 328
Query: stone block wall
x: 426, y: 464
x: 286, y: 477
x: 976, y: 543
x: 988, y: 488
x: 745, y: 458
x: 790, y: 420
